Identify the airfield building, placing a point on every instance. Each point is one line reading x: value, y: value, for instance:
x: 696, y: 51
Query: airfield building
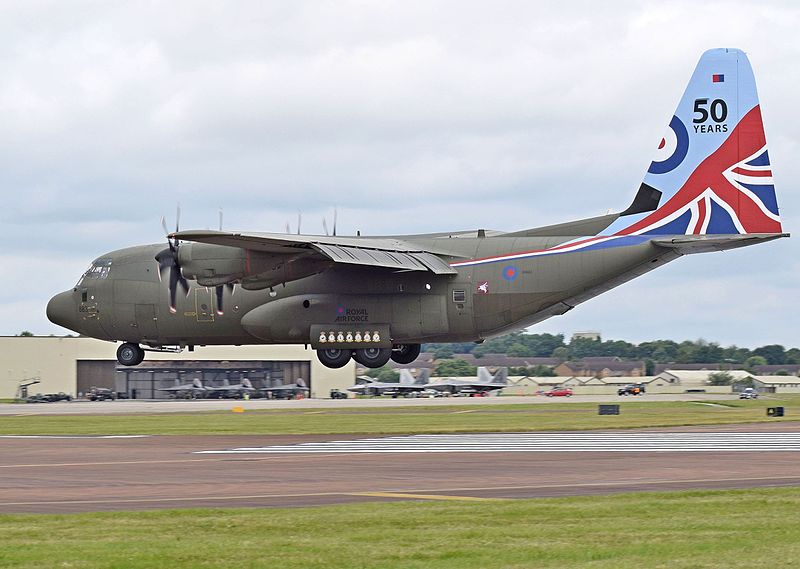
x: 74, y: 365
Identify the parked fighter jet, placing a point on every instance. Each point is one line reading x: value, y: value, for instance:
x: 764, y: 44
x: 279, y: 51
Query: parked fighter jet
x: 288, y: 390
x: 194, y: 389
x: 234, y: 390
x: 479, y: 386
x: 407, y: 385
x: 374, y: 298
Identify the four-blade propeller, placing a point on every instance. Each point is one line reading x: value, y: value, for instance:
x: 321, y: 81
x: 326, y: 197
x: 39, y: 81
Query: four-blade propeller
x: 168, y: 259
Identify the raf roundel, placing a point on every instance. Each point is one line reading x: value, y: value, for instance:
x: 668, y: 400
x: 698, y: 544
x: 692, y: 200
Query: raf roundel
x: 672, y: 149
x: 510, y: 273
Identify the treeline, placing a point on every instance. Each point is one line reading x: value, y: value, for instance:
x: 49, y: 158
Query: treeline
x: 657, y: 351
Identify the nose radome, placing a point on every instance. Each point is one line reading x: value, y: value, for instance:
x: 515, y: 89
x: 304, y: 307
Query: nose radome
x: 61, y: 310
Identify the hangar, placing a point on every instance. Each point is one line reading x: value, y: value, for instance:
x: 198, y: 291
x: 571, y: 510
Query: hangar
x: 74, y: 365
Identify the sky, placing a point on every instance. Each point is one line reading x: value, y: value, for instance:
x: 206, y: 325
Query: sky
x: 406, y: 116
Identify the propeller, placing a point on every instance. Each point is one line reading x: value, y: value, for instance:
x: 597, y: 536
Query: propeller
x: 325, y: 223
x: 220, y: 290
x: 168, y: 259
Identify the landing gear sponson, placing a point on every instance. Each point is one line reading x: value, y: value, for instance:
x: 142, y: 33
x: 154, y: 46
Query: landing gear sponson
x: 130, y: 354
x: 372, y: 357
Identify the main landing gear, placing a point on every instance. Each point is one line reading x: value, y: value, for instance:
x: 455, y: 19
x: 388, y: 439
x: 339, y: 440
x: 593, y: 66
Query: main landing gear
x: 369, y: 357
x: 129, y: 354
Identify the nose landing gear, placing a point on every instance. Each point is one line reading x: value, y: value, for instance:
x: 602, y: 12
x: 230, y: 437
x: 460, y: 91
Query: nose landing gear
x: 129, y: 354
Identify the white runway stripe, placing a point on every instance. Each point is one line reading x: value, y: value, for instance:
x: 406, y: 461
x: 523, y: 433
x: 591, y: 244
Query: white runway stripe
x: 74, y: 436
x: 541, y: 442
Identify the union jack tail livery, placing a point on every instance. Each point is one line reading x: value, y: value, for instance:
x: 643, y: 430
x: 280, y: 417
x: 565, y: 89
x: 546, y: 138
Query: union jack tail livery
x: 712, y: 165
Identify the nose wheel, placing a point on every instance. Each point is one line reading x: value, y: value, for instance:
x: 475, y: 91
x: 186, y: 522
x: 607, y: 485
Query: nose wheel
x: 129, y: 354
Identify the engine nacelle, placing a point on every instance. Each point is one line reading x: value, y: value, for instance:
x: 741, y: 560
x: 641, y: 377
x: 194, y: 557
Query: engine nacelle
x: 213, y: 265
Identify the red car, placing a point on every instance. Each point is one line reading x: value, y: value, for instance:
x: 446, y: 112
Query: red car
x: 559, y: 392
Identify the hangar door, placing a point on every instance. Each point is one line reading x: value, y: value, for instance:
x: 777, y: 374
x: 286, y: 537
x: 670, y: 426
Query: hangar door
x: 95, y: 373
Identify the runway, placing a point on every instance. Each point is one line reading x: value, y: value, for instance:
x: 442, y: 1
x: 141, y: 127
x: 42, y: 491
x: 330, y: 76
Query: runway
x: 199, y: 405
x: 60, y: 474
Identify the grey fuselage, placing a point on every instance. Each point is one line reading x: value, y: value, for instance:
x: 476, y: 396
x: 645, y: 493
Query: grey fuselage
x: 125, y: 299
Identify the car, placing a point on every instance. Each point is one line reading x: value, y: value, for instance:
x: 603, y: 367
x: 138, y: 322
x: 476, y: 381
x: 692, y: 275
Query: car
x: 559, y: 392
x: 49, y: 397
x: 631, y: 389
x: 101, y: 394
x: 338, y: 394
x: 748, y: 393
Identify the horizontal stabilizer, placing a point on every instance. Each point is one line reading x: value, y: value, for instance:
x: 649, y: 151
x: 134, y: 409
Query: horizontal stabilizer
x: 688, y: 244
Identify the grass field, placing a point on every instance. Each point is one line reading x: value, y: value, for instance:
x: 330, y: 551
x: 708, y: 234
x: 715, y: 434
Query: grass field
x: 488, y: 418
x: 726, y: 529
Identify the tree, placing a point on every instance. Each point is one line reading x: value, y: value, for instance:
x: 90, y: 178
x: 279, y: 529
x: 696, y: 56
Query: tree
x: 541, y: 371
x: 561, y: 353
x: 443, y: 352
x: 26, y: 334
x: 518, y: 350
x: 754, y: 361
x: 775, y: 354
x: 455, y: 368
x: 720, y: 378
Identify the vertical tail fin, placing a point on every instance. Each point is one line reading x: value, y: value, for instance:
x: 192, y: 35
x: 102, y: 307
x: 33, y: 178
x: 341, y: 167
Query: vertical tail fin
x: 712, y: 165
x: 406, y: 378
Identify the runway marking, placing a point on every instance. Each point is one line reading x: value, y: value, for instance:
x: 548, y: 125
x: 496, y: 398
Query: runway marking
x: 465, y: 411
x: 74, y: 436
x: 541, y: 442
x: 792, y: 480
x: 422, y: 496
x: 115, y: 462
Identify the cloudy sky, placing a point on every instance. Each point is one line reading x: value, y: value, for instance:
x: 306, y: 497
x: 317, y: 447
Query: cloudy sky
x: 407, y: 116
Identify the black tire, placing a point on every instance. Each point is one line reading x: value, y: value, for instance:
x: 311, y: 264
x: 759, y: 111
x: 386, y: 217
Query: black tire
x: 405, y: 353
x: 372, y: 357
x: 129, y: 354
x: 333, y: 358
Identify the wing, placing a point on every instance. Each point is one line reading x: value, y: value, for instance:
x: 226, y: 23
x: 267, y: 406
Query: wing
x: 368, y: 251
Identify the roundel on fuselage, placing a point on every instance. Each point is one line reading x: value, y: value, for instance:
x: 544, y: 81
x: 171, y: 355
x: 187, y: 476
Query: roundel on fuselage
x: 673, y: 148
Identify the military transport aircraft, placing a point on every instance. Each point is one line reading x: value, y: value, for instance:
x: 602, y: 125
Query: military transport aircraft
x: 709, y: 188
x: 481, y: 385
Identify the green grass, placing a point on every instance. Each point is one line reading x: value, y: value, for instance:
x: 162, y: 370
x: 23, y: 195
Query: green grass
x: 560, y: 416
x: 726, y: 529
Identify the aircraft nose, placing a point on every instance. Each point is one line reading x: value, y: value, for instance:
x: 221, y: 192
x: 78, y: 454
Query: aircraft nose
x: 61, y: 310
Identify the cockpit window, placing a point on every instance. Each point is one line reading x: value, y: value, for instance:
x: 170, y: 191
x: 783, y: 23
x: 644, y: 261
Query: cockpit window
x: 99, y: 270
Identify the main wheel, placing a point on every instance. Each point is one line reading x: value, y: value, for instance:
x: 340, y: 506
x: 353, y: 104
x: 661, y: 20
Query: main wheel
x: 405, y: 353
x: 129, y: 354
x: 333, y: 358
x: 372, y: 357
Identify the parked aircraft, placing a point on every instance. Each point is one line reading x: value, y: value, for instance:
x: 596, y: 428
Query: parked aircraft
x: 288, y: 390
x: 709, y: 188
x: 480, y: 385
x: 405, y: 386
x: 193, y: 389
x: 232, y: 390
